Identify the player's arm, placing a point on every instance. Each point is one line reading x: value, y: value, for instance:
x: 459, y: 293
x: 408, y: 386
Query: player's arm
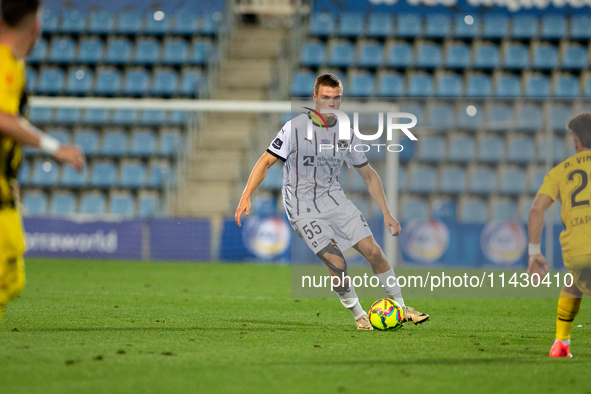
x: 537, y: 263
x: 20, y: 130
x: 254, y: 180
x: 376, y: 189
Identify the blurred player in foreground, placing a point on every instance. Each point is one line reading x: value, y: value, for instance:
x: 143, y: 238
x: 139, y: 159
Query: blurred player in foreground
x: 568, y: 182
x: 20, y: 27
x: 316, y: 205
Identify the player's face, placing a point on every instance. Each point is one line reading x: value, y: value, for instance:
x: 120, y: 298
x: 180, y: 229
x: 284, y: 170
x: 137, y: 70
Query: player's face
x: 328, y: 98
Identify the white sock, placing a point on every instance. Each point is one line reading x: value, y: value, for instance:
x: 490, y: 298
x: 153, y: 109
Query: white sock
x: 392, y: 291
x: 351, y: 302
x: 565, y: 342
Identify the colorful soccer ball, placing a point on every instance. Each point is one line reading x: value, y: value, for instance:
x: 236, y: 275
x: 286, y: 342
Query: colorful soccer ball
x: 385, y: 315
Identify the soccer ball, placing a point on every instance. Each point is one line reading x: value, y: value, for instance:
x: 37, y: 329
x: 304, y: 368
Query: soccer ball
x: 385, y: 314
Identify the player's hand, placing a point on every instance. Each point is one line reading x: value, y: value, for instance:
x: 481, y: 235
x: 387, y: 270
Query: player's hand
x: 537, y: 265
x: 71, y: 155
x: 243, y: 206
x: 392, y: 225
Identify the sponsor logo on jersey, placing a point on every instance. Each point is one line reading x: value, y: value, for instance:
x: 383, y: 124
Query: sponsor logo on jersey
x: 309, y: 161
x: 277, y: 144
x: 343, y: 144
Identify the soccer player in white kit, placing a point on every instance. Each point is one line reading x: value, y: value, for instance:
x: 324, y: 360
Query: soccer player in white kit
x: 316, y: 205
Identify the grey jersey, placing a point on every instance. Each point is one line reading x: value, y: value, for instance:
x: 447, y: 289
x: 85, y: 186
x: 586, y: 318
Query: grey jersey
x: 312, y: 167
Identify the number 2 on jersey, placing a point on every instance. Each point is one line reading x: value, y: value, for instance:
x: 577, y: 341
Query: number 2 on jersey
x: 584, y: 182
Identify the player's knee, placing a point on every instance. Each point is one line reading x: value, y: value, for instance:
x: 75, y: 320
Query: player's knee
x: 374, y: 254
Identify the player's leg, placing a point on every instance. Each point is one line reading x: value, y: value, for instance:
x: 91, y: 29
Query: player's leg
x: 12, y: 266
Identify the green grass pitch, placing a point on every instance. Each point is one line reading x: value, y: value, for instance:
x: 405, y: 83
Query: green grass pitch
x: 127, y: 327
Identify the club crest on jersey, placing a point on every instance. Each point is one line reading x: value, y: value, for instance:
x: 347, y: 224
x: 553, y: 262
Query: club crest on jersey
x: 343, y: 144
x: 277, y: 144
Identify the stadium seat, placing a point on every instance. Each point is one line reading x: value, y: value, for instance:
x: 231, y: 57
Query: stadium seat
x: 274, y: 178
x: 429, y: 56
x: 92, y: 204
x: 118, y: 51
x: 90, y: 50
x: 491, y: 149
x: 341, y: 54
x: 537, y: 86
x: 567, y: 86
x: 45, y: 173
x: 558, y: 152
x: 587, y: 87
x: 483, y: 181
x: 185, y: 24
x: 200, y: 52
x: 512, y: 181
x: 108, y: 82
x: 437, y: 26
x: 191, y: 82
x: 399, y: 55
x: 508, y: 86
x: 67, y: 116
x: 104, y: 174
x: 41, y: 115
x: 449, y: 85
x: 39, y: 52
x: 457, y: 56
x: 496, y: 26
x: 579, y: 27
x: 424, y: 180
x: 143, y: 143
x: 50, y: 21
x: 524, y: 27
x: 521, y: 150
x: 379, y: 25
x: 431, y: 149
x: 529, y: 117
x: 321, y: 25
x: 73, y: 22
x: 147, y: 51
x: 464, y: 30
x: 166, y: 83
x: 62, y: 135
x: 153, y: 117
x: 35, y: 203
x: 559, y: 117
x: 371, y: 55
x: 417, y: 110
x: 303, y: 83
x: 159, y: 173
x: 24, y: 173
x: 453, y: 180
x: 96, y: 116
x: 545, y: 57
x: 537, y: 179
x: 51, y: 81
x: 88, y: 141
x: 31, y: 75
x: 473, y: 211
x: 574, y: 57
x: 441, y: 116
x: 408, y: 25
x: 125, y: 117
x: 470, y: 121
x: 136, y: 82
x: 210, y: 24
x: 420, y: 85
x: 114, y: 143
x: 148, y: 205
x: 177, y: 118
x: 176, y: 52
x: 504, y: 210
x: 62, y: 204
x: 553, y: 27
x: 351, y: 25
x: 171, y: 143
x: 486, y: 57
x: 100, y: 22
x: 401, y: 178
x: 74, y: 179
x: 80, y: 81
x: 362, y: 85
x: 461, y: 149
x: 478, y: 85
x: 157, y: 24
x: 390, y: 85
x: 415, y: 208
x: 515, y: 57
x: 122, y: 204
x: 133, y: 175
x: 128, y: 23
x: 444, y: 208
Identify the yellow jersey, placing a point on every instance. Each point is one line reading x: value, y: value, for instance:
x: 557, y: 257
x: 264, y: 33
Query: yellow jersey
x: 569, y: 181
x: 12, y: 101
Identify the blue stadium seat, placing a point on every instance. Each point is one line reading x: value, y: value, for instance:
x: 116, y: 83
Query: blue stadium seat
x: 171, y: 143
x: 45, y: 173
x: 166, y: 83
x: 416, y: 208
x: 80, y: 81
x: 137, y: 82
x: 100, y: 22
x: 431, y: 149
x: 177, y: 118
x: 449, y: 85
x: 390, y: 85
x: 133, y: 175
x: 185, y: 24
x: 559, y: 116
x: 478, y: 85
x: 362, y: 85
x: 62, y: 135
x: 351, y: 25
x: 122, y: 204
x: 408, y: 25
x: 108, y: 82
x: 496, y: 26
x: 93, y: 204
x: 487, y: 57
x: 104, y: 174
x: 148, y: 205
x: 371, y: 55
x: 303, y: 84
x: 587, y: 87
x: 200, y: 52
x: 424, y: 180
x: 545, y: 57
x: 379, y: 25
x: 125, y: 117
x: 429, y: 56
x: 41, y: 115
x: 24, y: 172
x: 525, y: 27
x: 50, y: 21
x: 464, y: 30
x: 73, y: 22
x: 417, y: 110
x: 51, y: 81
x: 147, y: 51
x: 420, y: 85
x: 574, y: 57
x: 114, y: 143
x: 157, y: 24
x: 553, y: 27
x: 441, y: 116
x: 567, y: 86
x: 472, y: 121
x: 35, y: 203
x: 399, y: 55
x: 401, y: 178
x: 153, y: 117
x: 458, y: 56
x: 529, y: 117
x: 504, y: 210
x: 143, y: 143
x: 437, y: 26
x: 483, y: 181
x: 191, y: 82
x: 537, y: 179
x: 96, y: 116
x: 31, y: 75
x: 210, y: 24
x: 491, y: 149
x: 74, y: 179
x: 128, y: 23
x: 90, y: 50
x: 515, y: 57
x: 321, y: 25
x: 176, y: 52
x: 508, y: 86
x: 537, y: 86
x: 39, y: 52
x: 521, y: 150
x: 461, y: 149
x: 62, y: 204
x: 444, y: 208
x: 558, y: 153
x: 341, y: 54
x: 579, y: 27
x: 62, y: 50
x: 68, y: 116
x: 160, y: 172
x: 512, y: 181
x: 274, y: 178
x: 473, y: 211
x: 453, y: 180
x: 313, y: 54
x: 118, y: 51
x: 88, y: 141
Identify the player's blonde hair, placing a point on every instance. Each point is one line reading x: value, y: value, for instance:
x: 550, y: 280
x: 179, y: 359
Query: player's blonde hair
x: 330, y: 80
x: 580, y: 125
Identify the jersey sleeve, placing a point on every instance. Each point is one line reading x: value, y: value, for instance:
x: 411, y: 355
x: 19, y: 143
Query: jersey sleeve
x: 550, y: 187
x: 354, y: 158
x: 280, y: 147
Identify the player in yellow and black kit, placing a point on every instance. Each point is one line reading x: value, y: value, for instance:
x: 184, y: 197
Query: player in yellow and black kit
x: 569, y: 182
x: 20, y: 28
